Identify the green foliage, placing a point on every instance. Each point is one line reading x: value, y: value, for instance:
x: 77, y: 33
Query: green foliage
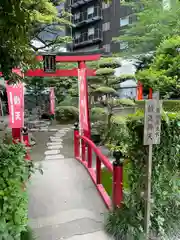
x: 105, y: 63
x: 143, y: 62
x: 163, y: 74
x: 168, y: 105
x: 67, y: 113
x: 36, y: 85
x: 14, y: 171
x: 105, y: 90
x: 124, y: 77
x: 109, y: 63
x: 28, y: 234
x: 128, y: 221
x: 154, y: 24
x: 107, y: 179
x: 25, y: 20
x: 68, y: 101
x: 98, y: 113
x: 65, y: 86
x: 123, y: 102
x: 98, y: 130
x: 104, y: 71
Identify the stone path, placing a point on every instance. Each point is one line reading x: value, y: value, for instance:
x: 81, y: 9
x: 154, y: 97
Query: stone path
x: 64, y: 203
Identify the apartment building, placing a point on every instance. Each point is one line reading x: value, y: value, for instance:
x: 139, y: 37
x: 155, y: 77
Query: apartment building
x: 96, y: 23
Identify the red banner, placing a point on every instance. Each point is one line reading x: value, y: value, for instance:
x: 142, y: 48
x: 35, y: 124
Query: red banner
x: 15, y: 94
x: 52, y: 101
x: 83, y: 103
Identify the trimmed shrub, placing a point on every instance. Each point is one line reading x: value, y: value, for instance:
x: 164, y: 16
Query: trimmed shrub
x: 98, y: 113
x: 128, y: 221
x: 67, y: 114
x: 14, y: 171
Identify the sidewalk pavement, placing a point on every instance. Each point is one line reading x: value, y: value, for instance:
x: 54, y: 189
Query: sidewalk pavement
x: 64, y: 203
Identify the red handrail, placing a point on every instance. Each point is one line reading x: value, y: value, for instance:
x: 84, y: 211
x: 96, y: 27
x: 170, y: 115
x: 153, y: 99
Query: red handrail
x: 115, y: 169
x: 102, y: 158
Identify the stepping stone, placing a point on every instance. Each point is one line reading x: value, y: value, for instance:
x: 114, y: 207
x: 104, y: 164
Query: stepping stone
x: 54, y: 157
x: 53, y: 130
x: 55, y: 147
x: 33, y: 130
x: 54, y: 144
x: 59, y: 135
x: 56, y: 139
x: 52, y: 152
x: 43, y: 129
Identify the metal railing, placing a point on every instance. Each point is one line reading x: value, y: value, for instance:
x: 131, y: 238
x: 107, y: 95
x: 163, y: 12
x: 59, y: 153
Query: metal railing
x: 85, y: 17
x: 76, y: 3
x: 86, y: 37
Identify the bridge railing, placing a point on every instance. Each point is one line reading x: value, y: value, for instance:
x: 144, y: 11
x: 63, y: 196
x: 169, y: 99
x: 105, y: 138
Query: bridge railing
x: 83, y: 149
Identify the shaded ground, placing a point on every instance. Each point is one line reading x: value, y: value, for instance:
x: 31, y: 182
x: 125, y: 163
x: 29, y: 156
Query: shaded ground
x: 68, y: 145
x: 37, y: 152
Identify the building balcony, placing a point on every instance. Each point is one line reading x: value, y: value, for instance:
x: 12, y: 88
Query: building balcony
x: 87, y: 17
x: 88, y: 38
x: 79, y: 3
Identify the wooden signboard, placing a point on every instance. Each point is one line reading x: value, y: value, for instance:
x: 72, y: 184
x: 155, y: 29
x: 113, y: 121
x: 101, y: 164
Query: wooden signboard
x: 152, y: 132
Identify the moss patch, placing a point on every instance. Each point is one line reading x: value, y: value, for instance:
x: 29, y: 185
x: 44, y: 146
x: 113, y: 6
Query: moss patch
x: 107, y: 178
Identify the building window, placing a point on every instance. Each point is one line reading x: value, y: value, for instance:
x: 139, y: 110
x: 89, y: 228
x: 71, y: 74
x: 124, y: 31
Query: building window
x: 123, y: 45
x: 107, y: 47
x: 90, y: 31
x: 106, y: 26
x: 105, y: 5
x: 77, y: 16
x: 124, y: 21
x: 77, y: 35
x: 90, y: 10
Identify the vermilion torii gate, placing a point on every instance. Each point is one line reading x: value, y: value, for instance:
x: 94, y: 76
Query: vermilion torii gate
x: 83, y: 146
x: 50, y: 60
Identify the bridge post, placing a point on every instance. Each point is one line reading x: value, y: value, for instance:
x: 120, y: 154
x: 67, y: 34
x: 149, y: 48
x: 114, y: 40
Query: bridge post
x: 76, y: 140
x: 117, y: 197
x: 26, y: 142
x: 16, y: 134
x: 26, y: 137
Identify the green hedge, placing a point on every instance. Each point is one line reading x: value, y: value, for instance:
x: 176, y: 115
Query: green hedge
x: 168, y: 105
x: 128, y: 221
x: 66, y: 114
x: 14, y: 171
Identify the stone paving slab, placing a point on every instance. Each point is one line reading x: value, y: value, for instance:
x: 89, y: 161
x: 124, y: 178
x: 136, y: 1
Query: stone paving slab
x: 52, y: 152
x: 54, y: 157
x: 91, y: 236
x: 56, y: 146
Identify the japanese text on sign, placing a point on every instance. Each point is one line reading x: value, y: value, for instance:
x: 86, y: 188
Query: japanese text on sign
x: 152, y: 122
x: 83, y: 103
x: 15, y: 95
